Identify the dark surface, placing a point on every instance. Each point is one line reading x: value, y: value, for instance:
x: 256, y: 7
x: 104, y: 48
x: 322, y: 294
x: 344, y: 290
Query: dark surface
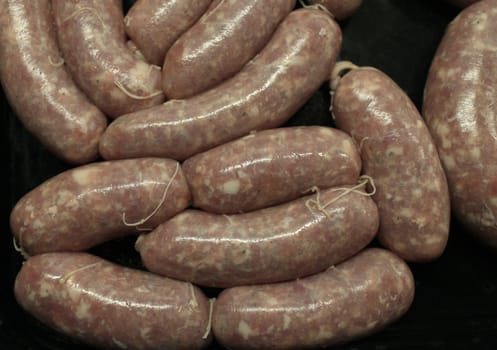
x: 456, y: 297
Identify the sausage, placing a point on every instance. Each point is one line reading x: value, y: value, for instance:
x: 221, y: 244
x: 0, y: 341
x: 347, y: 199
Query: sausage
x: 459, y: 108
x: 264, y: 94
x: 220, y: 44
x: 356, y: 298
x: 340, y: 9
x: 154, y: 25
x: 92, y: 40
x: 398, y: 152
x: 274, y: 244
x: 110, y: 306
x: 38, y: 87
x: 271, y: 167
x: 84, y: 206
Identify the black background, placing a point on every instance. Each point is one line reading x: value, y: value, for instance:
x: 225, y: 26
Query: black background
x: 455, y: 306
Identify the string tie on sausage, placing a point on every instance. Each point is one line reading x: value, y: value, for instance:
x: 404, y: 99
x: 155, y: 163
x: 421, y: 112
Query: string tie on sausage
x: 135, y: 96
x: 360, y: 188
x: 18, y: 248
x: 209, y: 323
x: 338, y: 71
x: 66, y: 277
x: 319, y: 7
x: 156, y: 209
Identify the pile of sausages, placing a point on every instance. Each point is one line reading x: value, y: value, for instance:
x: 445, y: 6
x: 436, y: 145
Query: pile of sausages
x: 172, y: 117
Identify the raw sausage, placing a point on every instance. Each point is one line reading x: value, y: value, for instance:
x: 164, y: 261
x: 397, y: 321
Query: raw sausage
x: 219, y: 44
x: 38, y: 87
x: 461, y: 111
x: 275, y: 244
x: 360, y: 296
x: 265, y: 94
x: 340, y: 9
x: 271, y: 167
x: 91, y: 37
x: 154, y: 25
x: 398, y: 152
x: 110, y: 306
x: 90, y: 204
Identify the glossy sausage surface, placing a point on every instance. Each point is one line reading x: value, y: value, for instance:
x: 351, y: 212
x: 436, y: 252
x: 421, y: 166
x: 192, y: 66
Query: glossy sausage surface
x: 38, y: 87
x: 90, y: 204
x: 264, y: 94
x: 271, y: 167
x: 400, y: 155
x: 356, y: 298
x: 92, y: 40
x: 275, y: 244
x: 219, y: 44
x: 110, y: 306
x: 460, y: 110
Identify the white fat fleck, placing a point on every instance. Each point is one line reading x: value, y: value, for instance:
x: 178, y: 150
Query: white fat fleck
x: 395, y: 150
x: 119, y: 343
x: 417, y: 193
x: 83, y: 176
x: 493, y: 201
x: 475, y: 153
x: 231, y: 187
x: 144, y: 332
x: 37, y: 224
x: 52, y: 210
x: 244, y: 330
x: 44, y: 289
x: 82, y: 310
x: 286, y: 321
x: 449, y: 162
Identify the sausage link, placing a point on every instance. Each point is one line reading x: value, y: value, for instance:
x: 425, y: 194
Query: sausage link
x: 91, y: 204
x: 38, y: 87
x: 220, y: 44
x: 460, y: 109
x: 91, y: 37
x: 264, y: 94
x: 398, y: 152
x: 275, y: 244
x: 271, y: 167
x: 340, y: 9
x: 154, y: 25
x: 111, y: 306
x: 359, y: 297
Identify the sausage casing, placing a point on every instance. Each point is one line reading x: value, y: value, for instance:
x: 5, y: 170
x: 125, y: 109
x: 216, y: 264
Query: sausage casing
x: 358, y: 297
x: 460, y: 110
x: 111, y: 306
x: 271, y: 167
x: 90, y: 204
x: 275, y: 244
x: 91, y: 37
x: 264, y: 94
x: 219, y: 44
x: 38, y: 87
x: 398, y: 152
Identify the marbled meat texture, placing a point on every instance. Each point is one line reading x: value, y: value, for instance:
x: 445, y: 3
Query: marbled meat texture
x: 398, y: 152
x: 110, y: 306
x: 220, y: 44
x: 263, y: 95
x: 88, y: 205
x: 91, y: 37
x: 271, y: 167
x: 275, y: 244
x: 154, y: 25
x: 461, y: 111
x: 359, y: 297
x: 38, y: 87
